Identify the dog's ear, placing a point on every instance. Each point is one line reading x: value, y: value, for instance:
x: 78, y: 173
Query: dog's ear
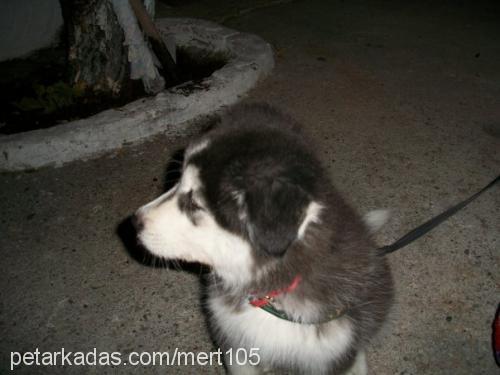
x: 273, y: 213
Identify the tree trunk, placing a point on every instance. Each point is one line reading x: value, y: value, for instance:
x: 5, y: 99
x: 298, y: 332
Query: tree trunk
x: 106, y: 48
x: 97, y: 56
x: 143, y: 64
x: 153, y: 36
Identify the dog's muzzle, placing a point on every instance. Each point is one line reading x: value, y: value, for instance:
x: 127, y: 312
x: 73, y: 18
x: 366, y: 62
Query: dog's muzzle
x: 138, y: 224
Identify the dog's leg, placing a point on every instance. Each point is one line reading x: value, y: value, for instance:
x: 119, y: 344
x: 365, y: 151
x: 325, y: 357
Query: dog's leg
x: 359, y: 366
x: 233, y: 368
x: 247, y: 369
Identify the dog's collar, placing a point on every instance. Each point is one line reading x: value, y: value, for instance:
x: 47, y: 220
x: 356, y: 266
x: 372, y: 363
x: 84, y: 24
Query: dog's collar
x: 268, y: 298
x: 266, y: 303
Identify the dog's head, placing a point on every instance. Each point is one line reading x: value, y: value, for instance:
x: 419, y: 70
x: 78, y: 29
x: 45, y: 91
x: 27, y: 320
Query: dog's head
x: 244, y: 197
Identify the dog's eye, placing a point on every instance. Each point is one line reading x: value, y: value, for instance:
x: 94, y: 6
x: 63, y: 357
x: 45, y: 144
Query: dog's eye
x: 188, y: 204
x: 193, y: 205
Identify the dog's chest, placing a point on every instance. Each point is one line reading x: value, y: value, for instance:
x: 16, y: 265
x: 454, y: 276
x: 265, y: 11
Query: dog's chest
x: 279, y: 341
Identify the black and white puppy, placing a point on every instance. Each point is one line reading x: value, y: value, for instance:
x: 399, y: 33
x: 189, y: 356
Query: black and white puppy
x: 295, y: 274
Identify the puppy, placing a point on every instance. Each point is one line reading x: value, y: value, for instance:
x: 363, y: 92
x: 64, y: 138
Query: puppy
x: 296, y: 281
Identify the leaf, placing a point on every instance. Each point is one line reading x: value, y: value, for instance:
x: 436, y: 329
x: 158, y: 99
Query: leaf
x: 28, y: 104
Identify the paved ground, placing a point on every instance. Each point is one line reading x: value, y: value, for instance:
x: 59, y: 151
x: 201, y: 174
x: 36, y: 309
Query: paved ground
x: 404, y: 102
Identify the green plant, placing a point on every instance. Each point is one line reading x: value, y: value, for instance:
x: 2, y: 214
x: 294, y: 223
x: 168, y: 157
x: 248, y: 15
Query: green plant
x: 50, y: 98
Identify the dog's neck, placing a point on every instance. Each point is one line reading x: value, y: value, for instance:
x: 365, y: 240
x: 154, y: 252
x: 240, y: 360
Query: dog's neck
x: 269, y: 297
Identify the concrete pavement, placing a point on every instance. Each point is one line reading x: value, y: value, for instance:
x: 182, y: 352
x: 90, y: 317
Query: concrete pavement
x: 403, y: 101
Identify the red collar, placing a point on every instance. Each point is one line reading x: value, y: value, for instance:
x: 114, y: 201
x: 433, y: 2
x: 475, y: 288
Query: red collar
x: 259, y: 302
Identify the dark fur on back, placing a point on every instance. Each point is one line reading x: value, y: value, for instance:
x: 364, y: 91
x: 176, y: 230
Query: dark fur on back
x: 259, y: 154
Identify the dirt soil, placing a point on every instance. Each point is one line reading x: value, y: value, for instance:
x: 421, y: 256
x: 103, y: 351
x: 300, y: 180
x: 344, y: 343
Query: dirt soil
x: 34, y: 93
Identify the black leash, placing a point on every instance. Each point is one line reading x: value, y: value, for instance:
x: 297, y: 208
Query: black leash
x: 434, y: 222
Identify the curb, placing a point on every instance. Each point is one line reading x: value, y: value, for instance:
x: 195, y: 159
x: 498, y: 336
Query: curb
x: 171, y: 112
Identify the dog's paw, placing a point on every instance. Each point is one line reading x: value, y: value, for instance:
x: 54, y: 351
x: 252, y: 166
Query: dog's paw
x: 376, y: 219
x: 359, y: 367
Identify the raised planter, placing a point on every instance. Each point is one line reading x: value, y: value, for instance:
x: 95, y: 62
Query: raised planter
x: 175, y: 111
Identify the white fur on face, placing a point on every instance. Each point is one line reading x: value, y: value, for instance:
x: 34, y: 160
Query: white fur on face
x: 190, y: 180
x: 312, y: 216
x: 196, y: 148
x: 169, y: 233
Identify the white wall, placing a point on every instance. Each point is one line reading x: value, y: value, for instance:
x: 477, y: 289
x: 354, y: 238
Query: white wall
x: 27, y: 25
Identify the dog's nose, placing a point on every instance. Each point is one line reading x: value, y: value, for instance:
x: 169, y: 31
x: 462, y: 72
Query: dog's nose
x: 137, y: 222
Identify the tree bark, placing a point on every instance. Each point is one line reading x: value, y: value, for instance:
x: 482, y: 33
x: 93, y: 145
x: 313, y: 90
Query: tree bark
x: 97, y: 56
x: 143, y: 64
x: 169, y: 69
